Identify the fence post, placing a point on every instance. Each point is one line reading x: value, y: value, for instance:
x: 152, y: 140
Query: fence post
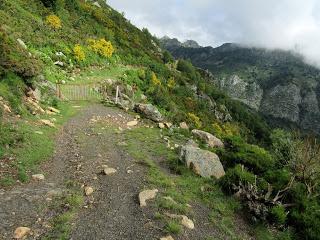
x: 117, y: 94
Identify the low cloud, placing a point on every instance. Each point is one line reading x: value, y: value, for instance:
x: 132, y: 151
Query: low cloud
x: 284, y: 24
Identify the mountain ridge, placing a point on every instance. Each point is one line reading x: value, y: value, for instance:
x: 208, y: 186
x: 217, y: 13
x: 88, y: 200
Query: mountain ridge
x: 257, y: 76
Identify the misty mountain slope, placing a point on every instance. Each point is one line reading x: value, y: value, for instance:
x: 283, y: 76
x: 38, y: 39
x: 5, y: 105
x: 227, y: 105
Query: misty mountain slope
x: 277, y: 83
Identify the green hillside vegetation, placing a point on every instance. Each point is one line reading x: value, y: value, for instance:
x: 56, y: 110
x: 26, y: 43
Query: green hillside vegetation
x: 275, y: 174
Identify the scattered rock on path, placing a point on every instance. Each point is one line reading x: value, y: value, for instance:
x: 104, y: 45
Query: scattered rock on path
x: 132, y: 123
x: 38, y: 177
x: 147, y: 195
x: 88, y: 191
x: 208, y: 138
x: 109, y: 171
x: 149, y: 111
x: 167, y: 238
x: 21, y: 232
x: 184, y: 220
x: 202, y: 162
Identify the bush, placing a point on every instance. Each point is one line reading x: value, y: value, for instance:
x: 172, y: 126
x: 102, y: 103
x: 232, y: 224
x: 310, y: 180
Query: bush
x: 15, y: 58
x: 278, y: 215
x: 257, y: 159
x: 79, y: 53
x: 236, y: 175
x: 102, y: 47
x: 194, y: 120
x: 53, y: 21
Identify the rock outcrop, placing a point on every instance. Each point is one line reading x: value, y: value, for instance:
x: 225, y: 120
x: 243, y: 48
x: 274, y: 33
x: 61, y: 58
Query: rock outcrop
x: 202, y: 162
x: 283, y: 102
x: 149, y: 111
x: 208, y: 138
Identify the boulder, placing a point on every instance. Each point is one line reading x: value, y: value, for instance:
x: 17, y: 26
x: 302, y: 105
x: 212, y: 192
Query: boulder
x: 208, y: 138
x: 147, y: 195
x: 47, y: 122
x: 161, y: 125
x: 149, y: 111
x: 202, y: 162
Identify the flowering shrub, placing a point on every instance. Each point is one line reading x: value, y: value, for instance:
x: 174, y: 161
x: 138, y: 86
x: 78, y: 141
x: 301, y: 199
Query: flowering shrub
x: 194, y: 120
x: 102, y: 47
x: 53, y: 21
x: 154, y: 79
x: 79, y: 53
x: 171, y: 83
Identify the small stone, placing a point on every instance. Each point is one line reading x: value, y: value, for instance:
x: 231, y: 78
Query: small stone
x: 184, y: 125
x: 38, y: 177
x: 47, y: 123
x: 7, y: 108
x: 188, y: 223
x: 21, y: 232
x: 185, y: 221
x: 132, y: 123
x: 137, y: 117
x: 167, y: 238
x: 59, y: 63
x: 129, y: 171
x: 38, y: 132
x: 52, y: 109
x: 95, y: 178
x: 109, y: 171
x: 168, y: 124
x: 147, y: 195
x: 161, y: 125
x: 88, y: 191
x: 22, y: 44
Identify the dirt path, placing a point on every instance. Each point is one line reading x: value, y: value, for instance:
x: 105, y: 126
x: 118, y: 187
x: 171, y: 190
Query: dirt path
x: 84, y: 146
x: 112, y: 212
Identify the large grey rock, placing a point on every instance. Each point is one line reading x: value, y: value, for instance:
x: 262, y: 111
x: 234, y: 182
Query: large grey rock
x: 202, y: 162
x: 149, y: 111
x: 208, y: 138
x: 283, y: 102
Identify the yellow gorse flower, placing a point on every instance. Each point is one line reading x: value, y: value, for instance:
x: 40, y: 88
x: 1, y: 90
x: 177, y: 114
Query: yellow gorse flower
x: 53, y: 21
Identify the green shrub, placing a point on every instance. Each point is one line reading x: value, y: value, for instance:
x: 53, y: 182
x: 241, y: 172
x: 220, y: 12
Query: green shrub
x: 234, y: 176
x: 255, y: 158
x: 278, y: 215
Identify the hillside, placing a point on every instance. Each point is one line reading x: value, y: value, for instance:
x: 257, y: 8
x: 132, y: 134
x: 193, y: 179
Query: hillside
x: 277, y: 83
x: 171, y: 157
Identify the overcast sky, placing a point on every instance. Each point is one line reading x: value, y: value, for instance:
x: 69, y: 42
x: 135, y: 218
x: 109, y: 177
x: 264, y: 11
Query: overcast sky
x: 285, y: 24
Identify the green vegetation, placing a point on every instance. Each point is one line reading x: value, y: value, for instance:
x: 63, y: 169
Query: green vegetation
x: 272, y: 171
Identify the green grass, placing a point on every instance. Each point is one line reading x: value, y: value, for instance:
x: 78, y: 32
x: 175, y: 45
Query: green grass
x: 114, y: 72
x: 173, y: 227
x: 66, y: 208
x: 185, y: 187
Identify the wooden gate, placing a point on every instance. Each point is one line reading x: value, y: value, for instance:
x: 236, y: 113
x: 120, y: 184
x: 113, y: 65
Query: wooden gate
x: 81, y: 92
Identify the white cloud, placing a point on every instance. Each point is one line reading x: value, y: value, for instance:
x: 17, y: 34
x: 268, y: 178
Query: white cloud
x: 285, y: 24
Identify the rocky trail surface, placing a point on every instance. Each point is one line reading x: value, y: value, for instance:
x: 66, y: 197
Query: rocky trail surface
x: 90, y: 157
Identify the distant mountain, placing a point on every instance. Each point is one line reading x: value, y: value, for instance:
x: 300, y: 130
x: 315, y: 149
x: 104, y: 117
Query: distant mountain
x: 277, y: 83
x: 174, y: 42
